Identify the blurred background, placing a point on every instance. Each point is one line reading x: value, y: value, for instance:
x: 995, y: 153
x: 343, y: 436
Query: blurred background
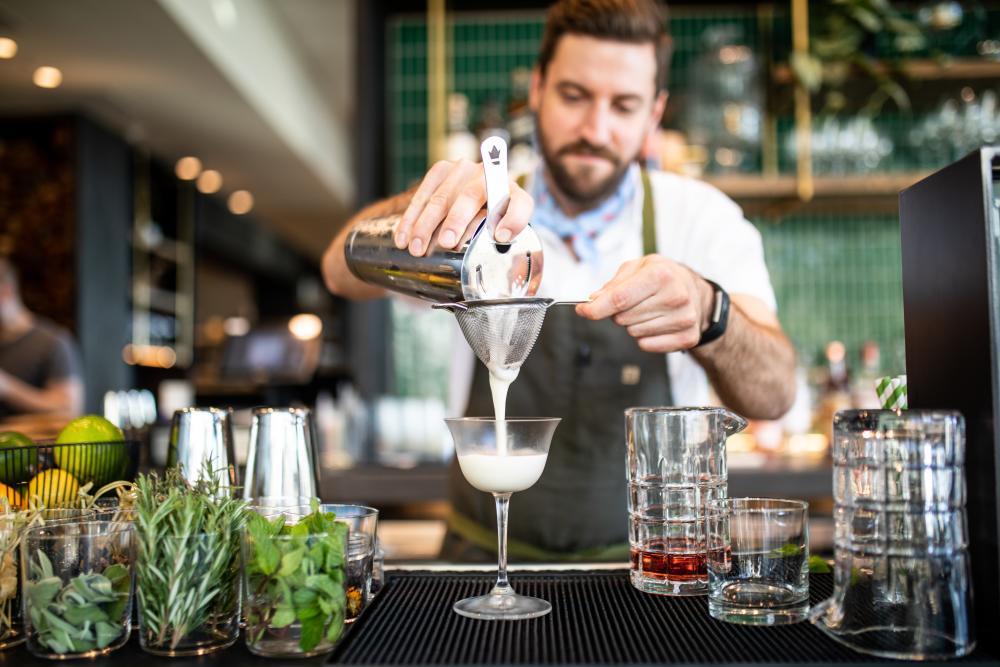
x: 172, y: 170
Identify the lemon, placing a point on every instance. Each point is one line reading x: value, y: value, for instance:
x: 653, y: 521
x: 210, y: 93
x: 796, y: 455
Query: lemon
x: 53, y: 488
x: 97, y: 463
x: 17, y: 455
x: 12, y: 496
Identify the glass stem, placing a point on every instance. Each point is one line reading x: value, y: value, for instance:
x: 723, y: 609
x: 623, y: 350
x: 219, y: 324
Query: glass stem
x: 502, y: 586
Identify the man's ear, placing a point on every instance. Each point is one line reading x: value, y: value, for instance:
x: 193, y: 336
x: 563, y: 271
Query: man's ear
x: 535, y: 93
x: 659, y: 105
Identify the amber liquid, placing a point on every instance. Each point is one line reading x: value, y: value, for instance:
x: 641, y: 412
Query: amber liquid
x: 677, y: 562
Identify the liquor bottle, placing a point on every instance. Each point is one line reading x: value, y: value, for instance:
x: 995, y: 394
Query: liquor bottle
x: 460, y: 142
x: 520, y: 123
x: 836, y: 392
x: 863, y: 393
x: 489, y: 122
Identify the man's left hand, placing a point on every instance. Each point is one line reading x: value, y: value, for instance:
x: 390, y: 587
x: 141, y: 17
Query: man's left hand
x: 662, y: 304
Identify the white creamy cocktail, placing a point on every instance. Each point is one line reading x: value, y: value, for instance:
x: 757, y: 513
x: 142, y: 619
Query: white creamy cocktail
x: 502, y: 467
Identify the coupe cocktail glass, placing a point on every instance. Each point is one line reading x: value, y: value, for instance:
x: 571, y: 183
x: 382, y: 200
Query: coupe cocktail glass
x: 501, y: 457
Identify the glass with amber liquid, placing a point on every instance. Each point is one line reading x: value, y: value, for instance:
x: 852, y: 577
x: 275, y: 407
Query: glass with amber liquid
x: 676, y: 469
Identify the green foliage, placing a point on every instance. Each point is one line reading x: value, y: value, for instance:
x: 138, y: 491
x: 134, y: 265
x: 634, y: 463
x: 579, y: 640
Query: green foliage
x: 296, y: 573
x: 188, y: 555
x: 843, y: 31
x: 819, y: 565
x: 85, y: 614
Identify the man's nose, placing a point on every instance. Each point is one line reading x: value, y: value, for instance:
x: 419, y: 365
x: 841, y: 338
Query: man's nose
x: 597, y: 125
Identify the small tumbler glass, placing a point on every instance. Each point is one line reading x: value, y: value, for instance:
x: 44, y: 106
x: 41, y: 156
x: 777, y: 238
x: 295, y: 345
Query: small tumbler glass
x: 274, y: 627
x: 188, y: 591
x: 361, y: 542
x: 758, y: 561
x: 77, y: 583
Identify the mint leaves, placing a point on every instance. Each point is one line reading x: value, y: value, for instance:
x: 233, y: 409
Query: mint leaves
x: 295, y: 574
x: 85, y: 614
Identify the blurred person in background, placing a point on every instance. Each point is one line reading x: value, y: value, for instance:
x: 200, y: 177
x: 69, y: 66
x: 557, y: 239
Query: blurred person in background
x: 656, y: 253
x: 39, y: 364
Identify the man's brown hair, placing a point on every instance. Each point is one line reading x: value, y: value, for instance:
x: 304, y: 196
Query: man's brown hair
x: 633, y: 21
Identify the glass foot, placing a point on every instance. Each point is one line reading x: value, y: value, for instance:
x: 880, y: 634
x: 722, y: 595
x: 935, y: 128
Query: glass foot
x: 510, y: 607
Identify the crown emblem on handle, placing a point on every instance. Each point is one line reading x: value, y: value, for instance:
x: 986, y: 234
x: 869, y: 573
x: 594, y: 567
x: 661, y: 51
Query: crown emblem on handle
x: 495, y: 155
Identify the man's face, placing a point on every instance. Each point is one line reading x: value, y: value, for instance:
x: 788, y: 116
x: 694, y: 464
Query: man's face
x: 594, y: 106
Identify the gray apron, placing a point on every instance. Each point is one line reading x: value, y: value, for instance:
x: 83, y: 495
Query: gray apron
x: 587, y: 373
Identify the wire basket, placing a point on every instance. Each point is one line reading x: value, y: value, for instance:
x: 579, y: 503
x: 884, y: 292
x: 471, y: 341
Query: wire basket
x: 50, y: 475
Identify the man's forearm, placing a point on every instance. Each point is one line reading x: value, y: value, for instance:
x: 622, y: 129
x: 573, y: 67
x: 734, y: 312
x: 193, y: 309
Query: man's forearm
x: 751, y: 367
x: 66, y: 396
x: 336, y: 274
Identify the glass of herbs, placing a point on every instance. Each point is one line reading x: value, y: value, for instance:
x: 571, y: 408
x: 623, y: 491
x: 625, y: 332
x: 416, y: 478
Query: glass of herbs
x: 187, y: 569
x: 11, y: 632
x: 294, y: 575
x: 76, y: 579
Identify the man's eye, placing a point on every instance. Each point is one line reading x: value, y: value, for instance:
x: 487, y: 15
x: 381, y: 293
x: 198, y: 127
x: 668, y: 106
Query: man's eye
x: 626, y: 108
x: 570, y: 97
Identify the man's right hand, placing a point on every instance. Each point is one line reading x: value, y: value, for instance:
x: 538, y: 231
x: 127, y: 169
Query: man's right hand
x: 449, y: 201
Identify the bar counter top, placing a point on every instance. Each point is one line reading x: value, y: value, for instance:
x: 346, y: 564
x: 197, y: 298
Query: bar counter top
x: 597, y: 619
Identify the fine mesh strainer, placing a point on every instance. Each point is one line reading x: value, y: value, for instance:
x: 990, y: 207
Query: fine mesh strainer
x: 502, y: 331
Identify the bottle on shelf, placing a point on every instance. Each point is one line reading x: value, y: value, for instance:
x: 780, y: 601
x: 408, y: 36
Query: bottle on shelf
x: 836, y: 390
x: 489, y: 122
x: 460, y: 142
x: 520, y: 123
x: 863, y: 394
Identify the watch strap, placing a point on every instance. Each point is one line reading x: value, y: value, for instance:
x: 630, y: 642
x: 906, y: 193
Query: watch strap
x: 720, y: 315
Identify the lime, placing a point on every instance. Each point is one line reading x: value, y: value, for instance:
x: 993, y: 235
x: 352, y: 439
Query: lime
x: 53, y: 488
x: 17, y: 455
x: 97, y: 463
x: 13, y: 498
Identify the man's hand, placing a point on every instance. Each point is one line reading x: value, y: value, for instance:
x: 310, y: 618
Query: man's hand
x: 448, y: 201
x: 662, y: 304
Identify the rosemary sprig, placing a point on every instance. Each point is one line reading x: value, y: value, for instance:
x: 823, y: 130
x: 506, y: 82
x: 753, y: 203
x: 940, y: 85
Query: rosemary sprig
x: 188, y: 564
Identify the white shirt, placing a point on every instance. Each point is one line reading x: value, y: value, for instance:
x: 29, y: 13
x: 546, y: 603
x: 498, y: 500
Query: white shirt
x: 696, y: 225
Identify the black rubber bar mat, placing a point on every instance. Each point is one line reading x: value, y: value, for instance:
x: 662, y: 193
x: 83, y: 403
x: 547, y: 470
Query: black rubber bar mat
x: 597, y: 618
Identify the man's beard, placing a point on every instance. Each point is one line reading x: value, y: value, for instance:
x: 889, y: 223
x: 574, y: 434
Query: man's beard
x: 585, y: 196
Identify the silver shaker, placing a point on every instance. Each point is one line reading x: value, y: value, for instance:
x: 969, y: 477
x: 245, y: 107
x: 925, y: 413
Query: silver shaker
x: 478, y: 269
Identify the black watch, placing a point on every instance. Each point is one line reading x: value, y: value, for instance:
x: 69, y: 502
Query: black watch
x: 720, y: 315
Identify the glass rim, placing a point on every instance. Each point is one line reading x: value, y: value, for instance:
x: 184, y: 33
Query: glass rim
x: 922, y: 413
x: 777, y: 504
x: 120, y: 527
x: 197, y: 409
x: 279, y: 410
x: 693, y: 409
x: 367, y: 510
x: 485, y: 420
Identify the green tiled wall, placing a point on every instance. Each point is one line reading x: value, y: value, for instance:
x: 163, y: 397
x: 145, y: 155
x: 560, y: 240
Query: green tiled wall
x: 836, y: 277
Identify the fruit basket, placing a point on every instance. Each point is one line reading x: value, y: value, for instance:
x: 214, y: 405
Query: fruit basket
x: 50, y: 474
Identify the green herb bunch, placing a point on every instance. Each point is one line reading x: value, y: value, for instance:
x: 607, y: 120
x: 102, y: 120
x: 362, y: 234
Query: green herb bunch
x: 188, y: 556
x: 85, y: 614
x: 295, y: 573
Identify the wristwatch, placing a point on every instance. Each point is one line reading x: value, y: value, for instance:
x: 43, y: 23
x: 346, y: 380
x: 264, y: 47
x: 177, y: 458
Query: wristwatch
x: 720, y: 315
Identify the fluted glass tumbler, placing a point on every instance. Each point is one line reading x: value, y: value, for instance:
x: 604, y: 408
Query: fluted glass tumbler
x: 902, y: 579
x: 676, y: 467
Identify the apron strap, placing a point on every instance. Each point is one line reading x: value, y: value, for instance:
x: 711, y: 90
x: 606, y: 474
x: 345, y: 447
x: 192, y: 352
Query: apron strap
x: 648, y: 216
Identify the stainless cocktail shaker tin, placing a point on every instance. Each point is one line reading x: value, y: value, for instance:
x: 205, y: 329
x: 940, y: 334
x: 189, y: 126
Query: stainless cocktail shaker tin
x: 478, y: 269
